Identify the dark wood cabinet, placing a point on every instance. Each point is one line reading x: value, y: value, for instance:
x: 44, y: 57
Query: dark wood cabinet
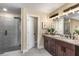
x: 60, y: 48
x: 69, y: 52
x: 46, y: 43
x: 64, y: 49
x: 60, y: 51
x: 49, y: 45
x: 52, y: 46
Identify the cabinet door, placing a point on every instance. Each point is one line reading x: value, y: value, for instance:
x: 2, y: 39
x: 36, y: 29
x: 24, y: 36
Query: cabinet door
x: 45, y: 43
x: 59, y: 51
x: 70, y: 52
x: 49, y: 44
x: 52, y: 46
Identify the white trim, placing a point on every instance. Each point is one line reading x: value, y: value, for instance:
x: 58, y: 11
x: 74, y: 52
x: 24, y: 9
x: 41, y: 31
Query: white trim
x: 41, y: 47
x: 37, y: 30
x: 24, y: 51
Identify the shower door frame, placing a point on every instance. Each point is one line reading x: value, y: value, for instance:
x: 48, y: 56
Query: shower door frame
x: 19, y: 32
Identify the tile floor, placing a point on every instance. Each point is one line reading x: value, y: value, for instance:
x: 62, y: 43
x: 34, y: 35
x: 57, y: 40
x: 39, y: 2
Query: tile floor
x: 31, y: 52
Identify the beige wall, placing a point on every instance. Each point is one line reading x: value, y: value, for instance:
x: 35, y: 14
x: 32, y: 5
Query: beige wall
x: 74, y: 24
x: 59, y: 25
x: 47, y: 24
x: 23, y: 30
x: 25, y: 12
x: 60, y: 10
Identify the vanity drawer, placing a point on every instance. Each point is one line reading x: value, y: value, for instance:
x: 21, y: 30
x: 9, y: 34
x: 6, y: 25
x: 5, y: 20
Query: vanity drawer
x: 65, y: 44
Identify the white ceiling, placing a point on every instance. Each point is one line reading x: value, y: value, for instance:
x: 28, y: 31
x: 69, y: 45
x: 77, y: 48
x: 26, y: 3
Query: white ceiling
x: 40, y: 7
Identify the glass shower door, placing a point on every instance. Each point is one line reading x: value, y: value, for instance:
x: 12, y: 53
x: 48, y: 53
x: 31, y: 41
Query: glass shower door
x: 1, y: 34
x: 9, y: 34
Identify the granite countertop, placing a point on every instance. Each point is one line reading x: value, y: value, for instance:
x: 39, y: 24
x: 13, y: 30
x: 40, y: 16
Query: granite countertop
x: 57, y: 37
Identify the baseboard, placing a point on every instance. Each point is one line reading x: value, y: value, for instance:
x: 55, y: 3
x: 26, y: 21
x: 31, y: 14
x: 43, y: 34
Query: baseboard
x: 40, y: 47
x: 24, y: 51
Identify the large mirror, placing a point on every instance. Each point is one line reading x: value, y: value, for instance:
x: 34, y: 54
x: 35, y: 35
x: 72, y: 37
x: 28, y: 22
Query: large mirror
x: 67, y: 25
x: 71, y: 23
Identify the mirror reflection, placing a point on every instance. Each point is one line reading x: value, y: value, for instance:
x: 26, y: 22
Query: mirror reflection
x: 67, y: 25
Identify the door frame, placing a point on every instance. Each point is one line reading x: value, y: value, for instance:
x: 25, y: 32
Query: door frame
x: 37, y: 29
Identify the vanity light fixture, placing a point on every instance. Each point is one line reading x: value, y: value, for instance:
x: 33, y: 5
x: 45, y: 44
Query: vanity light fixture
x: 69, y: 12
x: 73, y: 12
x: 54, y: 15
x: 4, y: 9
x: 58, y: 16
x: 77, y: 11
x: 66, y: 14
x: 71, y: 9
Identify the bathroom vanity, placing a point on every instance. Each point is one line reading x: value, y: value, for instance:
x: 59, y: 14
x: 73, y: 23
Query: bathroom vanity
x: 60, y: 46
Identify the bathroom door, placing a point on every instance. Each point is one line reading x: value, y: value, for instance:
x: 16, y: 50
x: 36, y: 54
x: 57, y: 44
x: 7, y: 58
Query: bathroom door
x: 30, y: 32
x: 8, y: 33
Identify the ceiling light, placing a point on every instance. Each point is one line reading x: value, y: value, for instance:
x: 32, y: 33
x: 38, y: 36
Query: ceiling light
x: 4, y: 9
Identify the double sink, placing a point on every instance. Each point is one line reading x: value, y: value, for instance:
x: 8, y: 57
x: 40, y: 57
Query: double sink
x: 65, y: 39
